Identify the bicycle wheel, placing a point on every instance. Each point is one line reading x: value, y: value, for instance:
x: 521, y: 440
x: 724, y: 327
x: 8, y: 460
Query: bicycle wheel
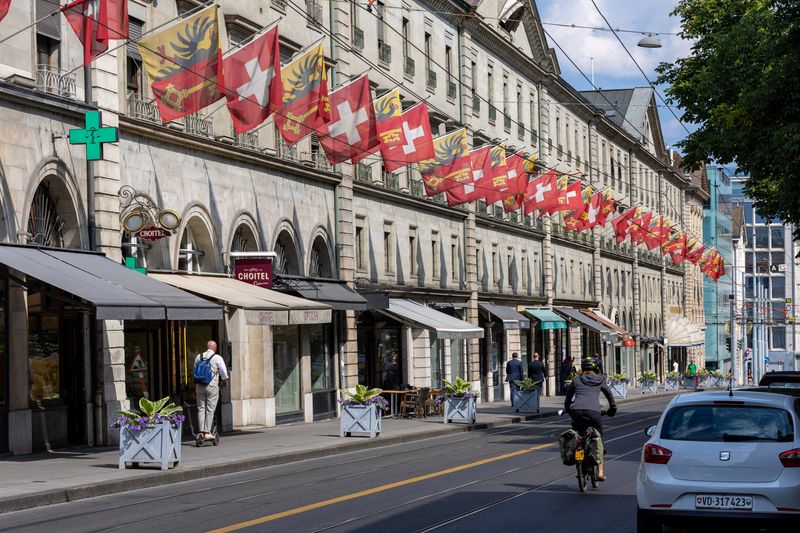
x: 581, y: 477
x: 593, y: 476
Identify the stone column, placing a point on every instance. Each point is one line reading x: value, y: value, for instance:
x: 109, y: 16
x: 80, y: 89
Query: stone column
x: 471, y: 277
x: 547, y: 260
x: 345, y: 244
x: 20, y: 436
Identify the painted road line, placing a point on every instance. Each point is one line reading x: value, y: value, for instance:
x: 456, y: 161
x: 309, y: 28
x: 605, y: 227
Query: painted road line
x: 390, y: 486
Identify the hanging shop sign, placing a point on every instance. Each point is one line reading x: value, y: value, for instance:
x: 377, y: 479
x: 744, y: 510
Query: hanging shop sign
x: 253, y: 270
x: 141, y: 218
x: 94, y: 136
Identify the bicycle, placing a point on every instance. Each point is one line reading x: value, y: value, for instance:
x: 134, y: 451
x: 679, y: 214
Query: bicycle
x: 585, y: 464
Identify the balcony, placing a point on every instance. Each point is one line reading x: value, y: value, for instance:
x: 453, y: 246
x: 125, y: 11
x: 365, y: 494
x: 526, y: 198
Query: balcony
x: 480, y: 207
x: 492, y: 114
x: 409, y: 69
x: 476, y: 104
x: 197, y: 124
x: 282, y: 150
x: 506, y: 122
x: 143, y: 109
x: 280, y: 5
x: 363, y: 173
x: 452, y: 90
x: 320, y: 160
x: 247, y: 140
x: 392, y: 181
x: 358, y: 37
x: 417, y: 188
x: 314, y: 12
x: 430, y: 81
x: 384, y: 53
x: 53, y: 80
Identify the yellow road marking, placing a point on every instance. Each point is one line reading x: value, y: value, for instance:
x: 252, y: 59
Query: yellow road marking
x: 375, y: 490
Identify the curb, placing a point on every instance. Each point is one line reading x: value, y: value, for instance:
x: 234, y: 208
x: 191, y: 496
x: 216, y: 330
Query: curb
x: 158, y: 478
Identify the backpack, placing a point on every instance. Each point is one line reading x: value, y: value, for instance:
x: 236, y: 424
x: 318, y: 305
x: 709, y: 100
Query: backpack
x: 594, y: 446
x: 568, y: 443
x: 203, y: 373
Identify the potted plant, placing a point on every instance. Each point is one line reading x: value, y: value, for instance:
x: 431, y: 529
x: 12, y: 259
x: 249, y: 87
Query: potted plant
x: 619, y: 385
x: 361, y: 412
x: 648, y: 382
x: 690, y: 380
x: 716, y: 379
x: 672, y: 380
x: 459, y: 402
x: 705, y: 379
x: 526, y: 397
x: 150, y: 436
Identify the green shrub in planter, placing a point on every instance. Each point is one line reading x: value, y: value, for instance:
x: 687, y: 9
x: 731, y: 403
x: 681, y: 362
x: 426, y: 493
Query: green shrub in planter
x: 618, y: 383
x: 459, y: 401
x: 526, y: 397
x: 361, y: 412
x: 648, y: 382
x: 672, y: 380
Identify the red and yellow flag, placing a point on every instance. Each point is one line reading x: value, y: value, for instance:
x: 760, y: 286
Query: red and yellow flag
x: 450, y: 166
x: 306, y: 106
x: 184, y: 64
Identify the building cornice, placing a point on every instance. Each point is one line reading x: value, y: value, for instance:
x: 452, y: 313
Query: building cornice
x: 43, y: 101
x: 485, y: 222
x: 398, y: 197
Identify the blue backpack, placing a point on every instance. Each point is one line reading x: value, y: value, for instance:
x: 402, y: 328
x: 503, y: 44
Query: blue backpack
x: 203, y: 373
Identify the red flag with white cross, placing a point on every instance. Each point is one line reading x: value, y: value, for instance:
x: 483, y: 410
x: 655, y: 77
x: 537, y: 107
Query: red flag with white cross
x: 96, y: 22
x: 4, y: 6
x: 417, y: 139
x: 351, y: 132
x: 253, y: 81
x: 622, y: 223
x: 516, y: 182
x: 480, y: 164
x: 542, y: 193
x: 570, y: 198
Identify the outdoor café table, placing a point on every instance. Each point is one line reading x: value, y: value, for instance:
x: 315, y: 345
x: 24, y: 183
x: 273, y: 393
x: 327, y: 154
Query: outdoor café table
x: 394, y: 399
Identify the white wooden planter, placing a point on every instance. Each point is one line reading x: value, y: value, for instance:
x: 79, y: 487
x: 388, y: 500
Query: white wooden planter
x: 526, y: 401
x: 360, y: 420
x: 649, y: 387
x: 159, y: 445
x: 671, y: 384
x: 689, y: 382
x: 619, y: 390
x: 459, y: 410
x: 710, y: 382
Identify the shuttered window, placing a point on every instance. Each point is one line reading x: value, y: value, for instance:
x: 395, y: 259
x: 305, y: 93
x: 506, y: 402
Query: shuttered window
x: 50, y: 26
x: 135, y: 28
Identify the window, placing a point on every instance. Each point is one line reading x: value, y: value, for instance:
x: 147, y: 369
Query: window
x: 412, y: 249
x: 706, y: 423
x: 509, y: 263
x: 495, y: 264
x: 133, y: 66
x: 454, y: 267
x: 778, y: 338
x: 558, y: 136
x: 523, y: 269
x: 406, y: 37
x: 761, y: 237
x: 388, y: 249
x: 379, y: 8
x: 534, y: 118
x: 778, y: 237
x: 448, y: 62
x: 435, y: 254
x: 520, y: 120
x: 762, y: 262
x: 505, y: 95
x: 189, y: 255
x: 321, y: 346
x: 779, y: 287
x: 476, y: 104
x: 360, y: 244
x: 478, y: 262
x: 428, y: 51
x: 748, y: 213
x: 490, y: 85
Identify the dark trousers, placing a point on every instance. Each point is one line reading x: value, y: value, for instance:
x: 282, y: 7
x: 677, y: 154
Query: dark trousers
x: 513, y: 387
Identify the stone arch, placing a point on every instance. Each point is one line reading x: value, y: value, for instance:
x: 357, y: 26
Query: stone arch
x: 8, y: 222
x: 62, y: 188
x: 196, y: 248
x: 321, y: 262
x: 288, y: 260
x: 244, y: 235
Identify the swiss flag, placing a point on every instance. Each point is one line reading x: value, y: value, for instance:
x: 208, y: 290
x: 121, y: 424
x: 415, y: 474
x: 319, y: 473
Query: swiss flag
x: 480, y: 164
x: 253, y: 81
x: 516, y: 182
x: 95, y: 22
x: 4, y: 5
x: 622, y: 224
x: 351, y: 132
x: 570, y: 198
x: 491, y: 174
x: 591, y: 211
x: 417, y: 140
x: 607, y: 207
x: 542, y: 193
x: 577, y: 219
x: 640, y: 226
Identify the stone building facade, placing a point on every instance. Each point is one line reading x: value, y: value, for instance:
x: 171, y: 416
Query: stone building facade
x: 375, y: 232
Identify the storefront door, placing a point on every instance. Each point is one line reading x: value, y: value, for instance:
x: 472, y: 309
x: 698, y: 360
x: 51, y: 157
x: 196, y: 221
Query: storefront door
x: 286, y: 367
x: 323, y: 388
x: 497, y: 349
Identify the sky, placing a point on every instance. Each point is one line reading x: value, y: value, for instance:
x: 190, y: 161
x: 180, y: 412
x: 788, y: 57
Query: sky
x: 613, y: 68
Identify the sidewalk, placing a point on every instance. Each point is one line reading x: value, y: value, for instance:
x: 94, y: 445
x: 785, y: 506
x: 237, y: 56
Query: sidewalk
x: 66, y: 475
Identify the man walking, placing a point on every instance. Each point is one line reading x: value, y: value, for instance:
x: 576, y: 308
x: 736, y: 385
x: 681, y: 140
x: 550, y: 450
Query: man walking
x: 210, y: 373
x: 537, y: 371
x: 514, y: 372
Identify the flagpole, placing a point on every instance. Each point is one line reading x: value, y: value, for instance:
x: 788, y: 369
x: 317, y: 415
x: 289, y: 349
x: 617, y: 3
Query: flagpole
x: 91, y: 222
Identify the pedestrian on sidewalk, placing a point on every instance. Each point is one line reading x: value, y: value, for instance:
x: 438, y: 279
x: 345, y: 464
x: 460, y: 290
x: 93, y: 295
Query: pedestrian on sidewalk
x: 567, y: 371
x: 210, y: 374
x: 514, y: 372
x: 537, y: 371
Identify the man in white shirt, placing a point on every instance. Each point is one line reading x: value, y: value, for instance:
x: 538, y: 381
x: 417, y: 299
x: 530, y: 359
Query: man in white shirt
x: 208, y: 395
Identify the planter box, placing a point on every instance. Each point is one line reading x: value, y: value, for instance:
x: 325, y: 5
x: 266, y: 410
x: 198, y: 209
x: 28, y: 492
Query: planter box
x: 711, y: 382
x: 689, y: 383
x: 671, y: 384
x: 360, y: 420
x: 526, y: 401
x: 156, y: 446
x: 649, y: 387
x: 619, y: 390
x: 459, y: 410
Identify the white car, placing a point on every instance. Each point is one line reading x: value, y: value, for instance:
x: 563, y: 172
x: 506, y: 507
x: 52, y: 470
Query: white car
x: 717, y: 455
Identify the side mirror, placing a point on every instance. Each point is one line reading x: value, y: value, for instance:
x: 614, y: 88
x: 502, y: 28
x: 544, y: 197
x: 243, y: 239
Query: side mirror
x: 650, y: 431
x: 560, y: 412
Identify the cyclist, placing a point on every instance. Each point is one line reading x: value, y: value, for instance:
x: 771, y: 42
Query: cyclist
x: 583, y: 401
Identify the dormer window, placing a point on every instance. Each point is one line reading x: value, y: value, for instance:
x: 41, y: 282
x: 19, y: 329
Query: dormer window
x: 511, y: 15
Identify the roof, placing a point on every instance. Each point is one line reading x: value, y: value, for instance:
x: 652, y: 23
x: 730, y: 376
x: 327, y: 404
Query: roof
x: 769, y: 398
x: 627, y: 108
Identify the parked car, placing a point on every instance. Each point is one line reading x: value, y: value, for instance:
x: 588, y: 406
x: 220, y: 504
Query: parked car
x: 714, y: 455
x: 789, y: 379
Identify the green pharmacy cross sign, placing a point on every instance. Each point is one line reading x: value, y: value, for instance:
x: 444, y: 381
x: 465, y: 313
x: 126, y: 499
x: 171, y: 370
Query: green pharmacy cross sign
x: 93, y: 136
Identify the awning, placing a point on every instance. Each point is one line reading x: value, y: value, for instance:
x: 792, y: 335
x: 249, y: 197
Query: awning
x: 336, y: 294
x: 606, y: 333
x: 116, y: 292
x: 262, y: 306
x: 547, y: 319
x: 622, y: 333
x: 683, y: 333
x: 445, y: 326
x: 508, y: 315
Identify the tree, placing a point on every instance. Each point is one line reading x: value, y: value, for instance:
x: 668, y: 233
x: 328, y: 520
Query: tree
x: 741, y: 85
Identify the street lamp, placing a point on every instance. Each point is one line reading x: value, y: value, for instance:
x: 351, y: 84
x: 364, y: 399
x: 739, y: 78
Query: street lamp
x: 649, y: 41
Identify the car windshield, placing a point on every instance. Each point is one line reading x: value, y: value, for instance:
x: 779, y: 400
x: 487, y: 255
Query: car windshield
x: 728, y: 423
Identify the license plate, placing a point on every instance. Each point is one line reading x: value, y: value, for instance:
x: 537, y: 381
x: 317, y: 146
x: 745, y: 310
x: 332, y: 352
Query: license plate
x: 723, y: 501
x: 579, y: 455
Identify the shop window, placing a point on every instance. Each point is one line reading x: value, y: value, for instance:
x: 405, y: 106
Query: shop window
x: 286, y: 258
x: 3, y: 360
x: 133, y: 247
x: 321, y: 340
x: 286, y: 367
x: 43, y: 346
x: 320, y: 265
x: 190, y: 254
x: 457, y: 362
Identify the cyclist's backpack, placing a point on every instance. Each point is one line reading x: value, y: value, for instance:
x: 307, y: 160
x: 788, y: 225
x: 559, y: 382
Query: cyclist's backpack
x: 203, y: 373
x: 568, y: 442
x: 594, y: 445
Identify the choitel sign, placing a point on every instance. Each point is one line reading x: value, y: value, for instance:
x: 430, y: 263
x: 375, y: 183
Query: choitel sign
x: 153, y: 233
x: 254, y: 270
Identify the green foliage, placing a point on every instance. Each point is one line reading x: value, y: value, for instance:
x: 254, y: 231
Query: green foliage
x: 459, y: 387
x: 362, y: 394
x: 158, y: 409
x: 670, y: 375
x: 741, y: 86
x: 618, y: 378
x: 527, y: 384
x: 649, y: 377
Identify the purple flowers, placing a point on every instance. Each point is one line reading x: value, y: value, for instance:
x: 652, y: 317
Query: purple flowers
x: 142, y: 422
x: 380, y: 401
x: 468, y: 395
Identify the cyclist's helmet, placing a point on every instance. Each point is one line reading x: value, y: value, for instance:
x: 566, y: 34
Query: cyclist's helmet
x: 590, y: 364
